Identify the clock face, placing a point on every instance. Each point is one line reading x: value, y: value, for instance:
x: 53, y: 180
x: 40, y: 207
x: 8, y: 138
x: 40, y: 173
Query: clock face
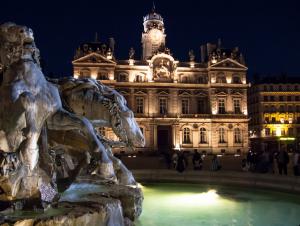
x: 156, y: 35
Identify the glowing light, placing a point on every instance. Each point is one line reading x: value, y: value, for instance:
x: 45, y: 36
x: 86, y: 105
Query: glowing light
x: 214, y: 60
x: 94, y: 75
x: 282, y: 120
x: 202, y: 199
x: 287, y: 138
x: 131, y: 62
x: 278, y: 131
x: 177, y: 147
x: 76, y: 76
x: 192, y: 64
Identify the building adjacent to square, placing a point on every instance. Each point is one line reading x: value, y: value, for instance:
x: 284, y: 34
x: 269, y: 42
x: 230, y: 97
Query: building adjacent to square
x: 274, y: 109
x: 179, y: 105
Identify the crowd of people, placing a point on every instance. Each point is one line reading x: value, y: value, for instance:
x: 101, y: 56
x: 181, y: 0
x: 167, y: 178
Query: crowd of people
x: 259, y: 162
x: 266, y: 162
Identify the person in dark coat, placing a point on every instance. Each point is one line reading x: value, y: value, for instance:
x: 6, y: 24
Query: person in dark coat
x: 197, y: 160
x: 181, y: 163
x: 282, y: 161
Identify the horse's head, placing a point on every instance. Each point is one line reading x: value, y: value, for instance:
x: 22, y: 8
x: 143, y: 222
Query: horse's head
x: 124, y: 124
x: 14, y: 39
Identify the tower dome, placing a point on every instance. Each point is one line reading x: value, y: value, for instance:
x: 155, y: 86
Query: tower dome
x: 153, y: 20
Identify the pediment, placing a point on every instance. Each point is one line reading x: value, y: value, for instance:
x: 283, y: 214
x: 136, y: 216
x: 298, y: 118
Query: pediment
x: 200, y: 93
x: 184, y: 93
x: 93, y: 58
x: 163, y: 92
x: 228, y: 63
x: 140, y: 92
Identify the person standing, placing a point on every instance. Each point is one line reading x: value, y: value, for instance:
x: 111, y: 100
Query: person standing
x: 282, y: 161
x: 296, y: 163
x: 197, y: 160
x: 215, y: 164
x: 181, y: 163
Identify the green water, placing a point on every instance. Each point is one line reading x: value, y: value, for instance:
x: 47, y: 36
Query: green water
x: 198, y: 205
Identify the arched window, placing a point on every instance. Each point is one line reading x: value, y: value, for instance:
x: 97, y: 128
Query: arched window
x: 222, y: 135
x: 186, y: 136
x: 102, y: 75
x: 184, y: 79
x: 221, y: 78
x: 138, y: 78
x: 85, y: 73
x: 122, y: 77
x: 201, y: 80
x: 237, y: 136
x: 203, y: 136
x: 236, y: 79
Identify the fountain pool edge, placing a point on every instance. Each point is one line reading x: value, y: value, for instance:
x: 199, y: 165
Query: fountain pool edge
x: 244, y: 179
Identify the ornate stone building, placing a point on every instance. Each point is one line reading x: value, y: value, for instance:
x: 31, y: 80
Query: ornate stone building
x: 274, y: 109
x: 179, y: 105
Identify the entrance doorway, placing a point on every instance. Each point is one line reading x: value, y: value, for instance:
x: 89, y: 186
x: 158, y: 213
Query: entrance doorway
x: 164, y: 138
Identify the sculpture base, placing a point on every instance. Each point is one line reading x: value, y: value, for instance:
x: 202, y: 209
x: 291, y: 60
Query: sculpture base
x: 86, y: 202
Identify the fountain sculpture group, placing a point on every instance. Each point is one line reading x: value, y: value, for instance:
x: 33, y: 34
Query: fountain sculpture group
x: 54, y: 165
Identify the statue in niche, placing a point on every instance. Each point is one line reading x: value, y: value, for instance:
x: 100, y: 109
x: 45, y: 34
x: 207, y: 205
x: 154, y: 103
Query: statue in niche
x: 131, y: 53
x: 192, y: 55
x: 34, y: 108
x: 162, y: 69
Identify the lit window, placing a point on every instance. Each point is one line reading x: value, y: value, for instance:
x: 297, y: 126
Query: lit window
x: 237, y: 106
x: 222, y: 135
x: 139, y: 105
x: 186, y: 136
x: 163, y: 106
x: 102, y: 76
x: 237, y: 136
x: 221, y: 106
x: 291, y: 132
x: 203, y: 136
x: 185, y: 106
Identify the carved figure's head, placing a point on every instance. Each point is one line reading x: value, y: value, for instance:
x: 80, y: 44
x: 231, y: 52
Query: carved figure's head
x: 14, y: 41
x: 124, y: 124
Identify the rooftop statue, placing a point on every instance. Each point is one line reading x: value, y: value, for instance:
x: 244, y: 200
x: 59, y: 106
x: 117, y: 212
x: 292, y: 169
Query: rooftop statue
x: 35, y: 111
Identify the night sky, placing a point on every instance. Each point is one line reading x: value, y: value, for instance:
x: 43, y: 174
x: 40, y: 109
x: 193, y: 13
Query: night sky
x: 268, y: 33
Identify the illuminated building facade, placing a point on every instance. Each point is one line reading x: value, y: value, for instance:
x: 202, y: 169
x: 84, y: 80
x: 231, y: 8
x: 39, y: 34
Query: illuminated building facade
x: 274, y: 110
x: 179, y: 105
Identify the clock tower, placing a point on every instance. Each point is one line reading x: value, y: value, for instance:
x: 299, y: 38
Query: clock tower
x: 154, y: 34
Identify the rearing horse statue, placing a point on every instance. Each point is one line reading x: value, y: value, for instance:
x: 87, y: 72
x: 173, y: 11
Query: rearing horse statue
x: 29, y: 102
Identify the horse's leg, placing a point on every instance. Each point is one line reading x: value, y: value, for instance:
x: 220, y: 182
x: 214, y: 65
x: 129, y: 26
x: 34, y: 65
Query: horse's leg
x: 29, y: 152
x: 63, y: 120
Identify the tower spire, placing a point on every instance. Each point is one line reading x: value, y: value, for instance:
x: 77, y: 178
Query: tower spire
x: 153, y: 6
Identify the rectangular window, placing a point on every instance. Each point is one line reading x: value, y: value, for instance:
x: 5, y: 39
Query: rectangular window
x: 237, y: 106
x: 163, y: 108
x: 289, y: 98
x: 290, y: 108
x: 201, y: 108
x: 296, y: 98
x: 184, y: 106
x: 298, y: 108
x: 139, y: 101
x: 281, y: 108
x: 267, y: 131
x: 267, y: 120
x: 273, y: 119
x: 266, y: 98
x: 290, y: 132
x: 221, y: 106
x: 280, y: 98
x: 272, y: 98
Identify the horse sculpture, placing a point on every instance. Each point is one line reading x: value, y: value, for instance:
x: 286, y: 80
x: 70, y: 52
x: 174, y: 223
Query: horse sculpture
x: 30, y: 103
x: 109, y: 110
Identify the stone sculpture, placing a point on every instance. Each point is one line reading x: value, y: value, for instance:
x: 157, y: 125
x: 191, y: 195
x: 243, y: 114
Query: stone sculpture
x: 35, y: 112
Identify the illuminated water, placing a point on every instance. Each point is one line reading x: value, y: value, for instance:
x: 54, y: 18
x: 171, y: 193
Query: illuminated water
x: 195, y: 205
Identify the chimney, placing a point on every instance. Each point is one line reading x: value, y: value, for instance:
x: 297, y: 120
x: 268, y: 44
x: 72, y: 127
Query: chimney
x: 208, y: 48
x: 219, y: 42
x: 112, y: 44
x: 203, y: 55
